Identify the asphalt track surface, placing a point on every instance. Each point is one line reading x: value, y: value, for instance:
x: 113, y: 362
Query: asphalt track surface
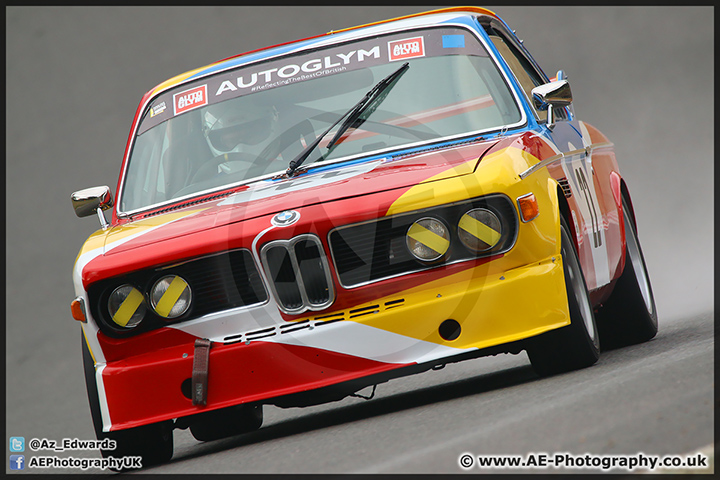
x: 644, y: 76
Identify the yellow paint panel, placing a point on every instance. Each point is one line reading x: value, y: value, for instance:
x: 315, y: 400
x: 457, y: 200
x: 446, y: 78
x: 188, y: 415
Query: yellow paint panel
x: 494, y: 174
x: 94, y: 242
x: 485, y: 300
x: 486, y: 306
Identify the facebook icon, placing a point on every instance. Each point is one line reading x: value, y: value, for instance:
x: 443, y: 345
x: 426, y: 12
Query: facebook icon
x: 17, y: 462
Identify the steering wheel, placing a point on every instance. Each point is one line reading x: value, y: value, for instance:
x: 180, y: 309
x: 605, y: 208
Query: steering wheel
x: 287, y: 138
x: 209, y: 168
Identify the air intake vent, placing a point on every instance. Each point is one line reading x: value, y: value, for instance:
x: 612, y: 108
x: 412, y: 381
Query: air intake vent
x: 298, y: 273
x: 565, y: 185
x: 313, y: 322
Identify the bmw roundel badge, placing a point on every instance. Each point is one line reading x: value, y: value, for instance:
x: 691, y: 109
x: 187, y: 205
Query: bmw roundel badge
x: 283, y: 219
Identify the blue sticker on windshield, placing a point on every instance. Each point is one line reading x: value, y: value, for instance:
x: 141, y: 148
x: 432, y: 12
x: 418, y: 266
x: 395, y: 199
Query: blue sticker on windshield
x: 453, y: 41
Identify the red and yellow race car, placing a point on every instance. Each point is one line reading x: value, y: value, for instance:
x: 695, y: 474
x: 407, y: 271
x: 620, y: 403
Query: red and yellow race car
x: 297, y: 223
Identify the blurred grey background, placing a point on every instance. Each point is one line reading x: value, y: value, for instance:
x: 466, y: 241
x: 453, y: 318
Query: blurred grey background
x: 642, y: 75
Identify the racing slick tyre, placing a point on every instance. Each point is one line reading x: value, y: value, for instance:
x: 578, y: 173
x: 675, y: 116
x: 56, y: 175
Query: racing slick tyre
x: 227, y: 422
x: 576, y: 345
x: 154, y: 443
x: 629, y: 316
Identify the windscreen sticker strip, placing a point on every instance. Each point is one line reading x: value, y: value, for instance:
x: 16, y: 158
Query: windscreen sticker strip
x: 346, y: 57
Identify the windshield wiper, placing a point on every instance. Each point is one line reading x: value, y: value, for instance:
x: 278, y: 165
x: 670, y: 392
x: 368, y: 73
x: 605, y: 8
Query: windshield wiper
x: 368, y: 104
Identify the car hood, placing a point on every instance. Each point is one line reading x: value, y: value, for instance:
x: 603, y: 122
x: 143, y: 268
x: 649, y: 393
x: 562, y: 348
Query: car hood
x: 318, y: 186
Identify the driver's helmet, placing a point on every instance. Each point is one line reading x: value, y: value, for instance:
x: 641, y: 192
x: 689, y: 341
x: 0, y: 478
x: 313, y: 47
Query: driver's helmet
x: 231, y: 126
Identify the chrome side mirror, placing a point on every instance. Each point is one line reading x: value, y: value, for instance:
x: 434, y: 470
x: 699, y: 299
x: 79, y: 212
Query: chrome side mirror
x: 552, y: 95
x: 93, y: 200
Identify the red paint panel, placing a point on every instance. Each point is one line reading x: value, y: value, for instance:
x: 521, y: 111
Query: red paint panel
x: 146, y: 388
x: 115, y: 349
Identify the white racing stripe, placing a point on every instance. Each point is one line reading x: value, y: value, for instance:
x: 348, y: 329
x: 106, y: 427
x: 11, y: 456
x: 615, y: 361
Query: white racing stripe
x: 358, y: 340
x: 346, y: 337
x: 219, y: 325
x: 104, y: 411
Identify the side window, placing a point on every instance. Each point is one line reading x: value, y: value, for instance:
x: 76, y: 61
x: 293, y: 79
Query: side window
x: 524, y: 72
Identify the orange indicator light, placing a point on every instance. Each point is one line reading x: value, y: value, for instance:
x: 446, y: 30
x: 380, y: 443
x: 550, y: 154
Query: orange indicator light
x: 78, y: 309
x: 528, y: 207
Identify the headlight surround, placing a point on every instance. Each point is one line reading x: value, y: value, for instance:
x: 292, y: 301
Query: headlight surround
x: 127, y: 306
x: 479, y: 229
x: 428, y: 239
x: 170, y: 297
x: 375, y: 250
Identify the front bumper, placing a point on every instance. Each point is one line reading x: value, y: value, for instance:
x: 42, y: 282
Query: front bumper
x: 384, y: 336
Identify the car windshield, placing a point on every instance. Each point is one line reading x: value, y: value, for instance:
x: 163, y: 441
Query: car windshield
x: 248, y: 123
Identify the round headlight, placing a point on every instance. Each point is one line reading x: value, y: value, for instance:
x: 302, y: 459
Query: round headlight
x: 170, y: 296
x: 127, y: 306
x: 428, y: 239
x: 479, y: 229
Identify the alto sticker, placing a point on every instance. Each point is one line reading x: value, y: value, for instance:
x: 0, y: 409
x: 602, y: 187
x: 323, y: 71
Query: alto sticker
x: 189, y: 99
x: 406, y: 48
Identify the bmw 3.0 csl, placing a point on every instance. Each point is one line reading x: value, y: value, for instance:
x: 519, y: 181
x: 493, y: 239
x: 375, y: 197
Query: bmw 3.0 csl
x: 298, y: 223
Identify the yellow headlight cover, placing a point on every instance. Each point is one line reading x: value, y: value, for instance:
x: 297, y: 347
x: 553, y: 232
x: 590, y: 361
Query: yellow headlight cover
x: 428, y: 239
x: 479, y: 229
x: 127, y: 306
x: 170, y: 296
